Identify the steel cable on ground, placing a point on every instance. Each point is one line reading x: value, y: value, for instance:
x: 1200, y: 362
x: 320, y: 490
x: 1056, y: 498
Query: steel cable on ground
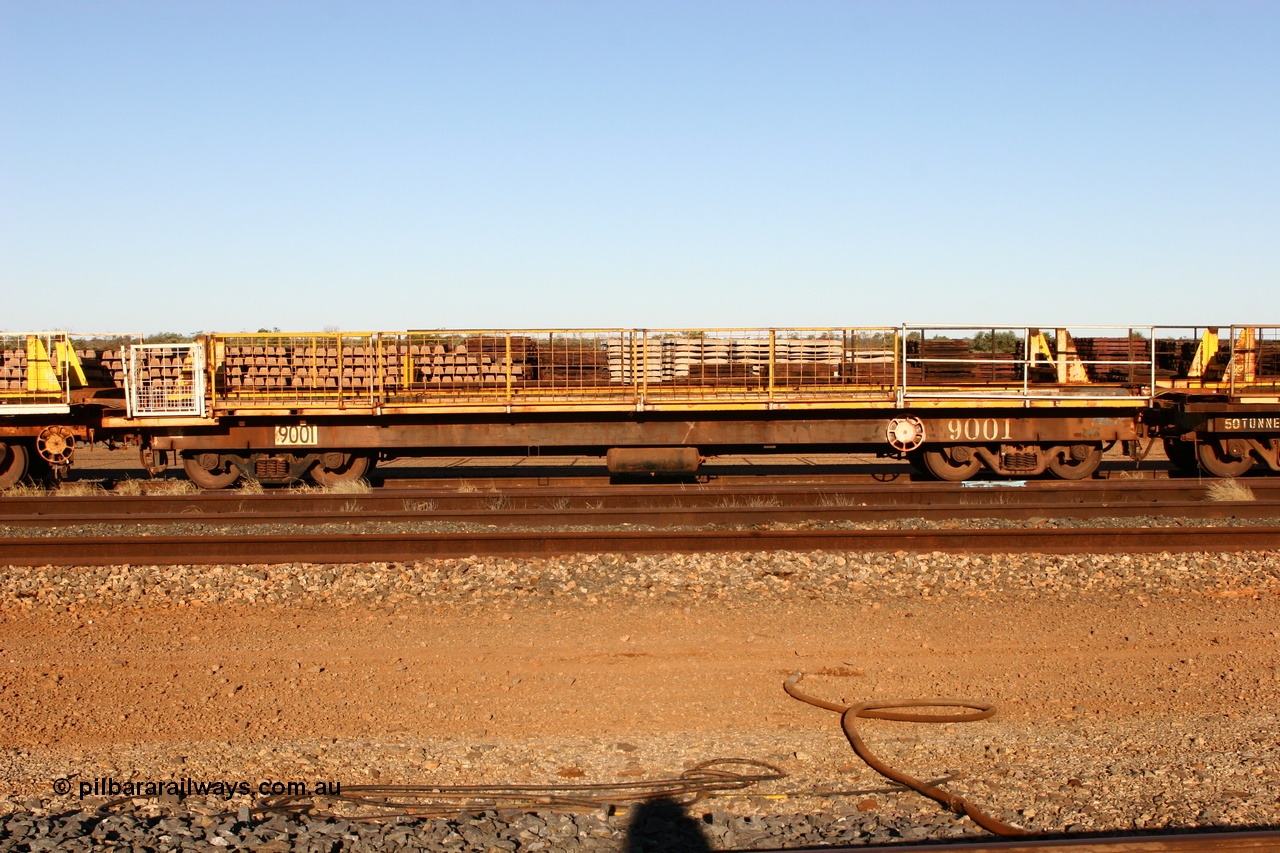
x: 386, y: 802
x: 888, y: 710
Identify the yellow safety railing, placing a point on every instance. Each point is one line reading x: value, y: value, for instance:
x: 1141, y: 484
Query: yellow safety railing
x: 39, y: 368
x: 545, y: 366
x: 616, y: 367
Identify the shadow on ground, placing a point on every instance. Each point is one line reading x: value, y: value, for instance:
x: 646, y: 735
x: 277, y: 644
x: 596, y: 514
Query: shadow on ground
x: 663, y: 826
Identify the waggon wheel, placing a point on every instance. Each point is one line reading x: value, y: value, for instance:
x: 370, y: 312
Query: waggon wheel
x: 1080, y: 462
x: 1220, y: 462
x: 1182, y: 454
x: 952, y: 464
x: 210, y: 470
x: 13, y: 464
x: 334, y: 468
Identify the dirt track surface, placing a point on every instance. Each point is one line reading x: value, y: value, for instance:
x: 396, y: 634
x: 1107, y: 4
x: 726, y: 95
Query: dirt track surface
x: 1120, y: 704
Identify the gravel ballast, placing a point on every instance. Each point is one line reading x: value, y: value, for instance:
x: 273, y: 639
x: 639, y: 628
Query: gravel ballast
x: 1175, y: 651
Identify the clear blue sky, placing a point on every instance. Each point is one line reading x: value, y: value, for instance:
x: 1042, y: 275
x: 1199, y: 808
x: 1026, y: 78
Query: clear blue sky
x: 384, y: 165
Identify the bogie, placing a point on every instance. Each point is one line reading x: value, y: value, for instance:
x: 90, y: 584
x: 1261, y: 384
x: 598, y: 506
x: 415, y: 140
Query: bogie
x: 1077, y: 462
x: 1225, y: 458
x: 336, y: 467
x: 953, y: 464
x: 211, y: 470
x: 14, y: 463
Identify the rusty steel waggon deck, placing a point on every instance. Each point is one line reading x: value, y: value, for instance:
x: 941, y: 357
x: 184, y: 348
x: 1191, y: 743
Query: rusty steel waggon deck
x: 1013, y: 400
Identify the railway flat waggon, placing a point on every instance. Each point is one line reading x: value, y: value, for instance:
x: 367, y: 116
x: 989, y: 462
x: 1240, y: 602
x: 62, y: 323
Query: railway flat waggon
x: 53, y: 391
x: 1012, y: 401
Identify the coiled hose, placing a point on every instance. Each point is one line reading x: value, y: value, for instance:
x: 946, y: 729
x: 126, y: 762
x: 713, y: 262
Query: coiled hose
x: 888, y: 710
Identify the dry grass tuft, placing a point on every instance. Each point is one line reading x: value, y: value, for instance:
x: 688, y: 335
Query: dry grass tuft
x: 249, y: 486
x: 1230, y: 490
x: 128, y: 488
x: 78, y: 489
x: 419, y: 506
x: 749, y: 502
x: 836, y: 500
x: 342, y: 487
x: 348, y: 487
x: 171, y: 487
x: 467, y: 488
x: 167, y: 486
x: 25, y: 490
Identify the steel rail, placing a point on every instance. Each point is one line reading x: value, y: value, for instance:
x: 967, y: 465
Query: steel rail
x: 991, y: 493
x: 692, y: 516
x: 365, y: 548
x: 1212, y: 840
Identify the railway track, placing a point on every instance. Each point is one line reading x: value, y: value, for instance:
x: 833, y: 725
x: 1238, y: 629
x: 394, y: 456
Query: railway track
x: 677, y: 515
x: 388, y: 526
x: 544, y: 517
x: 1185, y: 497
x: 372, y: 547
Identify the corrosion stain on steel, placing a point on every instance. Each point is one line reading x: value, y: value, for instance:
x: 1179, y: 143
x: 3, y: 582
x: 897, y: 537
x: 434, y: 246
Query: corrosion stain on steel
x: 653, y: 460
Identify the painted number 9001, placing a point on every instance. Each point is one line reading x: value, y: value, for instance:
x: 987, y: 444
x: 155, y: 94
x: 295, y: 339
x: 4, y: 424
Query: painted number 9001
x: 297, y: 434
x: 978, y: 429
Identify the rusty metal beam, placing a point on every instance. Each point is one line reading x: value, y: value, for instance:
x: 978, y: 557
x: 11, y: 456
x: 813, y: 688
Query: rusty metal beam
x: 906, y: 498
x: 597, y: 433
x: 363, y: 548
x: 534, y: 512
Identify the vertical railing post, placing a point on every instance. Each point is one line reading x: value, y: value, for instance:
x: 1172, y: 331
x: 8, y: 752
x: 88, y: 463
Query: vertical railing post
x: 901, y: 344
x: 773, y: 351
x: 64, y: 368
x: 1026, y: 361
x: 317, y: 391
x: 644, y: 370
x: 1232, y: 366
x: 211, y: 365
x: 341, y: 372
x: 508, y: 367
x: 551, y: 354
x: 1151, y: 380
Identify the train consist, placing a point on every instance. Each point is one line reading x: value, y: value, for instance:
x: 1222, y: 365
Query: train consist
x: 955, y: 401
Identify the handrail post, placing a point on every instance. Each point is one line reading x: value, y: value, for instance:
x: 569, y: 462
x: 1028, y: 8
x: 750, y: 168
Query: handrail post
x: 901, y: 345
x: 507, y: 368
x: 211, y: 365
x: 1151, y: 383
x: 341, y: 371
x: 1232, y: 366
x: 773, y: 356
x: 1026, y: 364
x: 644, y: 370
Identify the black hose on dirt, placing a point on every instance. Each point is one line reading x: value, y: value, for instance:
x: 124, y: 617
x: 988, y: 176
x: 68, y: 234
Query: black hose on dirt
x: 889, y: 710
